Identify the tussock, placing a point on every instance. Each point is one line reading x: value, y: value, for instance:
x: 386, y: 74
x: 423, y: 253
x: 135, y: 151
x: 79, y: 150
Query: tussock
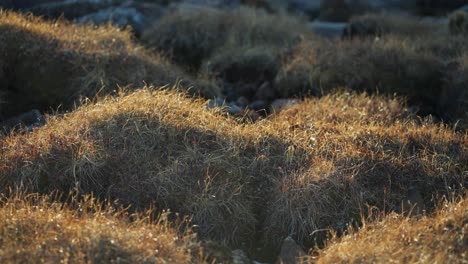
x: 361, y: 150
x: 190, y: 37
x: 399, y: 239
x: 41, y: 229
x: 50, y: 63
x: 312, y: 167
x: 150, y: 147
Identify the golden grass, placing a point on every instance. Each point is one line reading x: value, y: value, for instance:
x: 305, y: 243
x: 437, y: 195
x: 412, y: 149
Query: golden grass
x: 436, y: 238
x: 312, y: 167
x: 360, y: 150
x: 40, y: 229
x: 146, y: 147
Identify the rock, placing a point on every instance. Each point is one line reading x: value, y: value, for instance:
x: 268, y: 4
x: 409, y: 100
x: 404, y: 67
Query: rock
x: 28, y: 121
x: 265, y: 92
x: 119, y: 16
x: 290, y: 252
x: 239, y: 257
x: 281, y: 104
x: 328, y: 29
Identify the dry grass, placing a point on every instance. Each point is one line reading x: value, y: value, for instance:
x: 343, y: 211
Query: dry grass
x: 360, y: 150
x: 52, y: 63
x: 312, y: 167
x: 437, y: 238
x: 40, y: 229
x: 143, y: 148
x: 190, y: 37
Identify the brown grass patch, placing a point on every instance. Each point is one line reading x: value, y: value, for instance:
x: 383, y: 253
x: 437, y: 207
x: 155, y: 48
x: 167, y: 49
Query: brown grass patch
x: 313, y: 167
x: 436, y: 238
x: 41, y: 229
x: 150, y: 146
x: 360, y: 150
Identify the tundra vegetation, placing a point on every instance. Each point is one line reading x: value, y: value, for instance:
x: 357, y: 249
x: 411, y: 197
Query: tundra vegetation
x: 135, y: 165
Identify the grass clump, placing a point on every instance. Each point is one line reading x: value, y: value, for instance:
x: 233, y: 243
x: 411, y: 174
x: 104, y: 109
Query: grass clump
x: 190, y: 37
x: 312, y: 167
x: 388, y: 66
x: 42, y: 229
x: 52, y: 63
x: 401, y: 239
x: 359, y: 150
x: 150, y: 147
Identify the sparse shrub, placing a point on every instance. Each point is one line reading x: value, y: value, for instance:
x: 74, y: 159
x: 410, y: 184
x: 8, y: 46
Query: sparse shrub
x: 458, y: 23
